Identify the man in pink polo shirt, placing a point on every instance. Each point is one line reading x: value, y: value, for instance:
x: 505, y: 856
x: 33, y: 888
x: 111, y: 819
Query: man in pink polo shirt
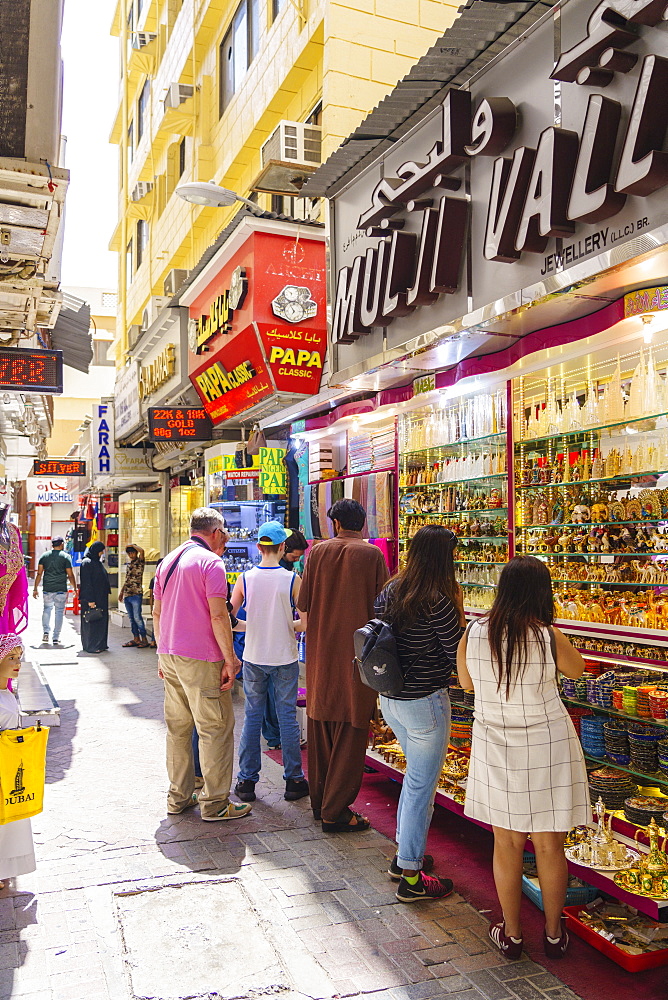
x: 198, y: 666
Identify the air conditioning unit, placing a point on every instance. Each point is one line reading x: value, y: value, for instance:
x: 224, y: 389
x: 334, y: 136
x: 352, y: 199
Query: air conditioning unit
x: 293, y: 142
x: 140, y: 190
x: 152, y: 310
x: 140, y: 39
x: 174, y: 280
x: 176, y: 94
x: 134, y: 333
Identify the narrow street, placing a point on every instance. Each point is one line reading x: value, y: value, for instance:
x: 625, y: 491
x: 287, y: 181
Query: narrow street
x: 127, y: 903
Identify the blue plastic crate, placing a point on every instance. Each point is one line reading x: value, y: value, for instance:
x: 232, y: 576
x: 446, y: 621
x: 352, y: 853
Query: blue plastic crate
x: 576, y: 895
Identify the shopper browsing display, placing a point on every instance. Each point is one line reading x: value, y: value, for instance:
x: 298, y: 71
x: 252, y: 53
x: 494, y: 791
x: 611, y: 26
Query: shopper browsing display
x: 527, y: 771
x: 423, y: 604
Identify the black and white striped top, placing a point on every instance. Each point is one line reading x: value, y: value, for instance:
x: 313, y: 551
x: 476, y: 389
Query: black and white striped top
x: 428, y: 649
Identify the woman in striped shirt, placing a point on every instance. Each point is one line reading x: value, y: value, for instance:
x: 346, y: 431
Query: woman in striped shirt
x: 423, y: 604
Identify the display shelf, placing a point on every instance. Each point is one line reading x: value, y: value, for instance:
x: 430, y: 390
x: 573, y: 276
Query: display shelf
x: 588, y: 524
x: 480, y: 562
x: 622, y: 660
x: 621, y: 478
x: 646, y: 779
x: 454, y: 513
x: 455, y: 482
x: 588, y: 431
x: 662, y: 723
x: 608, y: 631
x: 503, y: 539
x: 599, y: 879
x: 496, y: 436
x: 609, y: 556
x: 629, y: 584
x: 481, y: 586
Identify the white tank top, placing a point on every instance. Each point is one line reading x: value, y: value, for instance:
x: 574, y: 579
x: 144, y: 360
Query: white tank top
x: 269, y: 604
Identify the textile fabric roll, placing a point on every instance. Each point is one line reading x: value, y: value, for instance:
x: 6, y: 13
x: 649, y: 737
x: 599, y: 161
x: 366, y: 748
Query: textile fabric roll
x: 364, y: 500
x: 337, y: 489
x: 384, y: 519
x: 322, y: 510
x: 308, y: 528
x: 315, y: 517
x: 328, y: 505
x: 348, y: 488
x: 357, y: 489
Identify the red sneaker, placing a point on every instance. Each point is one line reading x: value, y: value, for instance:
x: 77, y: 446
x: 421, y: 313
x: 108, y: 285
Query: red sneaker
x: 559, y: 948
x: 508, y: 948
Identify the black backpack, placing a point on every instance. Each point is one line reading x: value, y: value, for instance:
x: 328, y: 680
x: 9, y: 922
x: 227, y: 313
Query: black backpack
x: 377, y: 658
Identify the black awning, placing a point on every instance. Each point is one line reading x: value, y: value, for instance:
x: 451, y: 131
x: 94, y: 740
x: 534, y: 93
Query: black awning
x: 72, y: 334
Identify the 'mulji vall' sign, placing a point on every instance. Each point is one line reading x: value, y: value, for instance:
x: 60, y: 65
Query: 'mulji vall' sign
x: 274, y: 335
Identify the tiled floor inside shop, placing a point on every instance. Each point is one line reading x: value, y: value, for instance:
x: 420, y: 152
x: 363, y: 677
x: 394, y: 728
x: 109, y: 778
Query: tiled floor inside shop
x: 263, y: 906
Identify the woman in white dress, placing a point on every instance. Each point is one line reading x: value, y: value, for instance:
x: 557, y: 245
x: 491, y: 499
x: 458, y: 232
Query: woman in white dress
x: 527, y: 772
x: 17, y: 853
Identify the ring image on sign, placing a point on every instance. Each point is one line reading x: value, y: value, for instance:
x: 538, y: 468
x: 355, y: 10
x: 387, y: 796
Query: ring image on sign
x: 294, y: 304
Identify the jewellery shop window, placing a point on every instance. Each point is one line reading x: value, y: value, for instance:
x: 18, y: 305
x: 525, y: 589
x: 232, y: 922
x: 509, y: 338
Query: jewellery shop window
x: 183, y: 500
x: 453, y: 471
x: 591, y: 483
x: 140, y: 523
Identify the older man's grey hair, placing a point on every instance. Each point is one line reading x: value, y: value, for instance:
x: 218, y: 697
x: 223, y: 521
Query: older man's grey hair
x: 206, y: 519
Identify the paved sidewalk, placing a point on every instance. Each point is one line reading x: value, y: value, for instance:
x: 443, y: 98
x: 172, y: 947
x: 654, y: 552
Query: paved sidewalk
x: 265, y: 906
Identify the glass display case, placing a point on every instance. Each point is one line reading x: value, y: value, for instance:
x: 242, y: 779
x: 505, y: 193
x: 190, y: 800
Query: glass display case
x: 140, y: 516
x: 183, y: 500
x: 243, y: 519
x: 453, y: 471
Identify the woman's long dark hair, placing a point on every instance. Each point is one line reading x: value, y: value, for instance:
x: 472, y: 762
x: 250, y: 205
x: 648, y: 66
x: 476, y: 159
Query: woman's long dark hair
x: 523, y: 606
x: 428, y: 577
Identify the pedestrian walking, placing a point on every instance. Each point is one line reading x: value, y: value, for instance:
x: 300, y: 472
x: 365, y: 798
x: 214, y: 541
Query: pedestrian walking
x: 198, y: 665
x: 423, y: 604
x: 17, y: 851
x: 132, y: 594
x: 55, y: 568
x: 268, y: 593
x: 342, y: 578
x: 94, y: 591
x: 527, y: 772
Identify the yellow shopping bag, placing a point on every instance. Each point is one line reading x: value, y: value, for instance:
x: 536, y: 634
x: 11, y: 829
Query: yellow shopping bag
x: 22, y: 772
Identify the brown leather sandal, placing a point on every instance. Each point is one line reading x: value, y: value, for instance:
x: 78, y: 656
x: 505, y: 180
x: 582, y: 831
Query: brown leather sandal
x: 132, y: 642
x: 345, y: 826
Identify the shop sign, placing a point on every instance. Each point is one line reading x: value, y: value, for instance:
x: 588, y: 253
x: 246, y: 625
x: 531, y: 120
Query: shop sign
x: 45, y: 489
x: 235, y: 379
x: 543, y: 196
x: 159, y: 371
x: 127, y: 416
x: 31, y: 369
x: 59, y: 467
x: 273, y: 473
x: 133, y: 462
x: 425, y: 383
x: 221, y: 312
x: 102, y: 429
x: 646, y: 300
x: 178, y: 423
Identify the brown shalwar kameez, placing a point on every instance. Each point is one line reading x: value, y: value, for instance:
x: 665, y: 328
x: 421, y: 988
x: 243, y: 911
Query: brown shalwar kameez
x: 343, y: 577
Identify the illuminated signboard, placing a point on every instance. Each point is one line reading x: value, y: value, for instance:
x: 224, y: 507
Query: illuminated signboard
x: 59, y: 467
x: 31, y: 370
x: 178, y: 423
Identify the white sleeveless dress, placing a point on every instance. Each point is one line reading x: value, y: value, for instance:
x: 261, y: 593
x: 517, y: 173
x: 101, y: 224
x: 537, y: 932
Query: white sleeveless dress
x: 527, y: 770
x: 17, y: 852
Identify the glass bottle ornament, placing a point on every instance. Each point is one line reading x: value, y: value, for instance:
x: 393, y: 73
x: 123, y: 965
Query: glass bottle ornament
x: 637, y: 392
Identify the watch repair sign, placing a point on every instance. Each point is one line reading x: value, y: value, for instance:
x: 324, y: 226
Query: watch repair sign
x: 273, y: 290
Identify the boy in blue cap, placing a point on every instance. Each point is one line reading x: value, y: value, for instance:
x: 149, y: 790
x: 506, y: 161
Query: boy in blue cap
x: 268, y: 593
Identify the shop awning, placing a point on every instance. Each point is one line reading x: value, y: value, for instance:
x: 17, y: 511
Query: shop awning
x: 481, y: 31
x: 72, y: 333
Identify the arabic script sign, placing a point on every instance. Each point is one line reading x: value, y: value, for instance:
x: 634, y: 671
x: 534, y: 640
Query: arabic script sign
x: 553, y: 180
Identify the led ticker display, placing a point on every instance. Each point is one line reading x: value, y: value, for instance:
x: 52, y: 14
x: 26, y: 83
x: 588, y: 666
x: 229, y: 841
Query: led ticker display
x: 31, y: 370
x: 178, y: 423
x: 59, y: 467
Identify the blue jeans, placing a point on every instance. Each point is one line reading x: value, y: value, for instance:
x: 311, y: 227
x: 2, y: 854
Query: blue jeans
x: 133, y: 607
x: 58, y: 602
x: 270, y: 729
x: 256, y: 680
x: 422, y: 727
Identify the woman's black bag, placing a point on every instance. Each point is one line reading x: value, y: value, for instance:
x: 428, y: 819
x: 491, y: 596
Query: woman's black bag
x: 377, y: 658
x: 93, y: 615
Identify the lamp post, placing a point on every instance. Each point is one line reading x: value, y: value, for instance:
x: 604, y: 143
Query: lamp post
x: 208, y: 193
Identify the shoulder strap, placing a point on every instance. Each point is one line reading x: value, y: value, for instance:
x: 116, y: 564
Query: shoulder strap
x: 173, y: 567
x: 553, y: 644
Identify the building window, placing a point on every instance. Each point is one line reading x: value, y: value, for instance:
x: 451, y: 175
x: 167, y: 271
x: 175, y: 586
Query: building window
x: 237, y: 51
x: 315, y: 118
x: 142, y: 110
x: 131, y: 143
x: 128, y: 264
x: 276, y: 8
x: 142, y: 241
x: 182, y: 157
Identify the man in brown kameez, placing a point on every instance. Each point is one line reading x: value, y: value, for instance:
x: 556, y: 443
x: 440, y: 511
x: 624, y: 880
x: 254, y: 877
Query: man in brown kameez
x: 343, y: 577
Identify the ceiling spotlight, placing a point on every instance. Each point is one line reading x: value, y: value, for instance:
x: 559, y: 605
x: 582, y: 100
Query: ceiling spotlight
x: 647, y: 333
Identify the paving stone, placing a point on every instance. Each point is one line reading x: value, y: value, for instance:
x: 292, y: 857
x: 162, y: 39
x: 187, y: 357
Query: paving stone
x: 563, y: 993
x: 9, y: 956
x: 545, y: 981
x: 489, y: 985
x: 404, y: 945
x: 469, y: 963
x: 525, y: 989
x: 516, y: 970
x: 418, y: 991
x: 413, y: 967
x: 444, y: 953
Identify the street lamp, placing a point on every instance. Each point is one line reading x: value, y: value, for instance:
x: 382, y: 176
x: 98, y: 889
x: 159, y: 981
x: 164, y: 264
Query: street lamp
x: 208, y: 193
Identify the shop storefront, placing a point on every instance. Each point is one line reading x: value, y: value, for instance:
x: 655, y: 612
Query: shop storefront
x: 501, y: 271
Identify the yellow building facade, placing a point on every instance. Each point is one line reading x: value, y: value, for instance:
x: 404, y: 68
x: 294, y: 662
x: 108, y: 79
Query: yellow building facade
x: 205, y: 83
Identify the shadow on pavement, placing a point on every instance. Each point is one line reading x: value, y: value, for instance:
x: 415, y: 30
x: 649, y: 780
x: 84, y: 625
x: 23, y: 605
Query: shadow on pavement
x: 59, y: 748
